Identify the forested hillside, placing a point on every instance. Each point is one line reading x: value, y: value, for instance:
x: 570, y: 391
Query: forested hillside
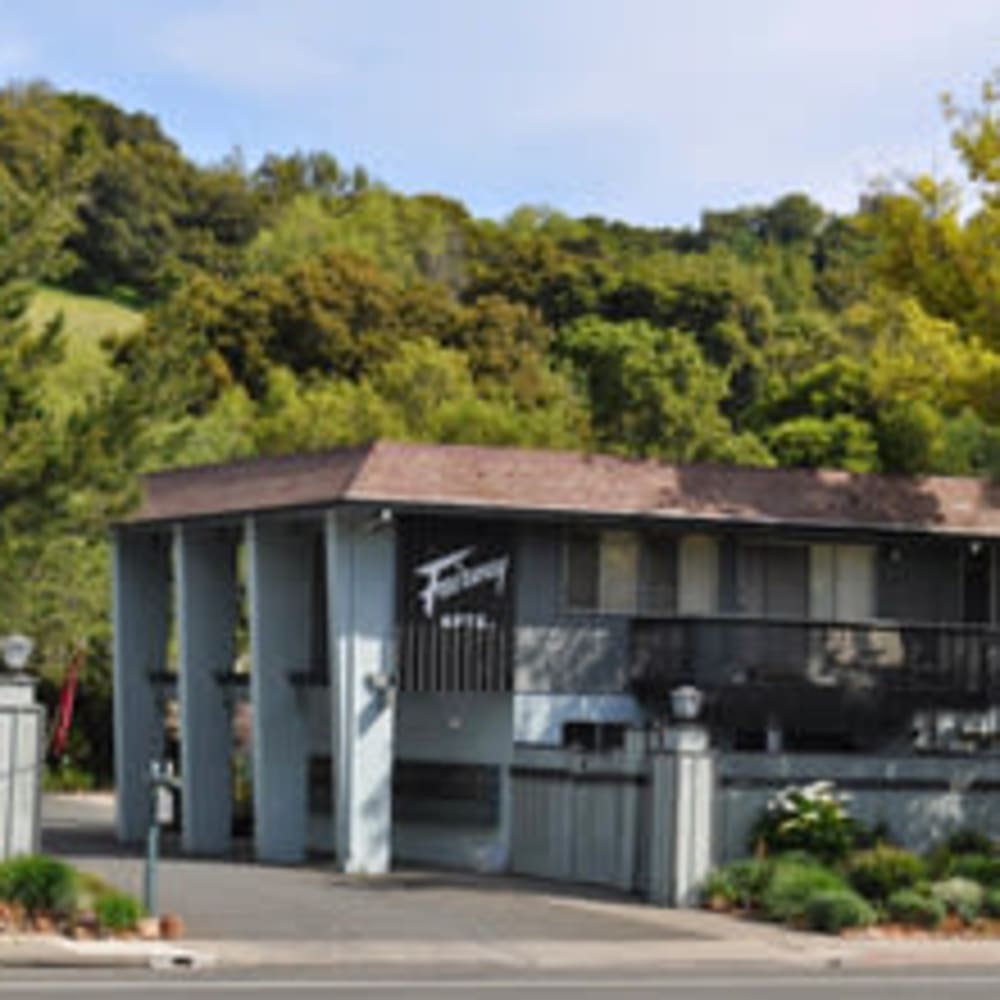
x: 229, y: 310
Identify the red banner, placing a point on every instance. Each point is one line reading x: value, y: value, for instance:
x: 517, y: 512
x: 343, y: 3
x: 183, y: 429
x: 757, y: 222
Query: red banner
x: 67, y: 697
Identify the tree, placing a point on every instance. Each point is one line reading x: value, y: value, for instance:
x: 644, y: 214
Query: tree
x: 652, y: 392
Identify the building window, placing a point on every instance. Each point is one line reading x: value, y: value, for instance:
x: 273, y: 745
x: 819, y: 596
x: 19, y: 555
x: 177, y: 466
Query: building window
x: 773, y: 580
x: 451, y: 794
x: 620, y: 572
x: 582, y: 570
x: 599, y: 737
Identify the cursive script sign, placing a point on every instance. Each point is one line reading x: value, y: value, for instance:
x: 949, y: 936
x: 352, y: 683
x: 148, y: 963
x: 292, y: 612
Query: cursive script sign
x: 451, y: 574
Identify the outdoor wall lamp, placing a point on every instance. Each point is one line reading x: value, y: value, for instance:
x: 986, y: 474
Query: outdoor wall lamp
x: 15, y: 650
x: 379, y: 521
x: 381, y: 680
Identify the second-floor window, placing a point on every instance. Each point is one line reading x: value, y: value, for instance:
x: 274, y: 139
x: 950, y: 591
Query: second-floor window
x: 620, y: 572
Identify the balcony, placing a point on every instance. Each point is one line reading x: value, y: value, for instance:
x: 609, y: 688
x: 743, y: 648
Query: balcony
x: 817, y: 673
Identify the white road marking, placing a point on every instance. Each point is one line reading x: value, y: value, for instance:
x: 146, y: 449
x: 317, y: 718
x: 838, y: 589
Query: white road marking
x: 842, y: 984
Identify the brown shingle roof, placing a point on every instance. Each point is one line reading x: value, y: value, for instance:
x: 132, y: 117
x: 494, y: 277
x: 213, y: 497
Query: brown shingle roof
x: 522, y: 480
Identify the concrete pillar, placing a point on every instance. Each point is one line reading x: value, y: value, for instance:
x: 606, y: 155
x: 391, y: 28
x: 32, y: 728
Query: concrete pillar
x: 682, y: 805
x: 22, y: 752
x: 361, y: 570
x: 141, y: 598
x: 207, y: 607
x: 279, y: 562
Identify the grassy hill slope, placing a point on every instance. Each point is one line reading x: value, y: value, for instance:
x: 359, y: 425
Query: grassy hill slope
x: 87, y: 321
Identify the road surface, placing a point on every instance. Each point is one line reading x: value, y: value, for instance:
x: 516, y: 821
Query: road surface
x: 710, y: 984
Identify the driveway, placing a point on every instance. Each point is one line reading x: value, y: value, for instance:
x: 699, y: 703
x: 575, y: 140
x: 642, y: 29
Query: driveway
x: 243, y: 900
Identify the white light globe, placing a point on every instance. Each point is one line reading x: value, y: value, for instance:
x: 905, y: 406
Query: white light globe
x: 15, y: 650
x: 686, y: 702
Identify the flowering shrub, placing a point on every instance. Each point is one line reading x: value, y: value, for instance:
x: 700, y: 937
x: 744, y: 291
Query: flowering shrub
x: 960, y: 896
x: 812, y: 818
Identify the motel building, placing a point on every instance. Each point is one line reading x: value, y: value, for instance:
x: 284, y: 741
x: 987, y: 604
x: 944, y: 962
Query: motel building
x: 464, y: 656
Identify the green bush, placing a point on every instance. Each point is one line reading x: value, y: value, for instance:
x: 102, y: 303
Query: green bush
x: 67, y: 778
x: 718, y: 887
x: 960, y: 843
x: 790, y: 887
x: 39, y: 884
x: 968, y: 842
x: 991, y: 903
x: 908, y: 906
x: 811, y: 818
x: 89, y: 889
x: 960, y: 896
x: 831, y: 910
x: 739, y: 884
x: 981, y: 868
x: 117, y: 911
x: 883, y: 870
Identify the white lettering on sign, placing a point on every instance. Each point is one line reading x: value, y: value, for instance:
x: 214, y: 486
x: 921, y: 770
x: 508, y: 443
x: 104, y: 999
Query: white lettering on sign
x: 448, y: 576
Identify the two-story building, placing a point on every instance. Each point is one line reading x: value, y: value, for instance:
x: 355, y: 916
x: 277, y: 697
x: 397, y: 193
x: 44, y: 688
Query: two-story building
x: 416, y: 615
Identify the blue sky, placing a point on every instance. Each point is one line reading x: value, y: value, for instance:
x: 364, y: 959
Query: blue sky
x: 647, y: 110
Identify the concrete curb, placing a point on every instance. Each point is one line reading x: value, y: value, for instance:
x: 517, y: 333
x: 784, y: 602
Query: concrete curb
x: 770, y: 948
x: 53, y: 951
x: 549, y: 956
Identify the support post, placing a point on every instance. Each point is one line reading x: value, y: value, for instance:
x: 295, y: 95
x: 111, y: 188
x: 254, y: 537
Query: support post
x: 683, y: 800
x: 207, y: 606
x: 141, y: 602
x: 279, y: 558
x: 361, y: 574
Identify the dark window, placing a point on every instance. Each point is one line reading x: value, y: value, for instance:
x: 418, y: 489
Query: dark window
x: 594, y: 736
x: 620, y: 572
x: 582, y: 571
x: 319, y: 640
x: 657, y: 575
x: 320, y: 786
x: 451, y: 794
x: 976, y: 602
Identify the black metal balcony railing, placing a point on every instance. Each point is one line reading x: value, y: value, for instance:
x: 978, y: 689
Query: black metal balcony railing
x: 932, y: 665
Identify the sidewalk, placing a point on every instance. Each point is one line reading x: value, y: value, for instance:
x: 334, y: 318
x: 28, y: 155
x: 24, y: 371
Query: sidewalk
x: 710, y: 941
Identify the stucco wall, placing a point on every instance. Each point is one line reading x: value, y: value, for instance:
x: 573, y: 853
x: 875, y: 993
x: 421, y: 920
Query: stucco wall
x: 460, y: 729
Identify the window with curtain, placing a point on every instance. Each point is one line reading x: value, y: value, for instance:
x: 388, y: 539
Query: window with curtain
x: 620, y: 572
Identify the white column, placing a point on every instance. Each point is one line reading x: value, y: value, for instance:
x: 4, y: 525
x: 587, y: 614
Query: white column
x: 681, y: 834
x: 361, y: 574
x: 207, y: 606
x: 22, y: 755
x: 141, y: 610
x: 279, y: 561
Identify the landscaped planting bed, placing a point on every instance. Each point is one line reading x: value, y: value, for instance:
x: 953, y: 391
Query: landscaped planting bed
x: 815, y: 867
x: 41, y: 894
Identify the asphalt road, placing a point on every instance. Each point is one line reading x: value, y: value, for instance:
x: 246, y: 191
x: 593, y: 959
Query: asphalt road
x: 709, y: 985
